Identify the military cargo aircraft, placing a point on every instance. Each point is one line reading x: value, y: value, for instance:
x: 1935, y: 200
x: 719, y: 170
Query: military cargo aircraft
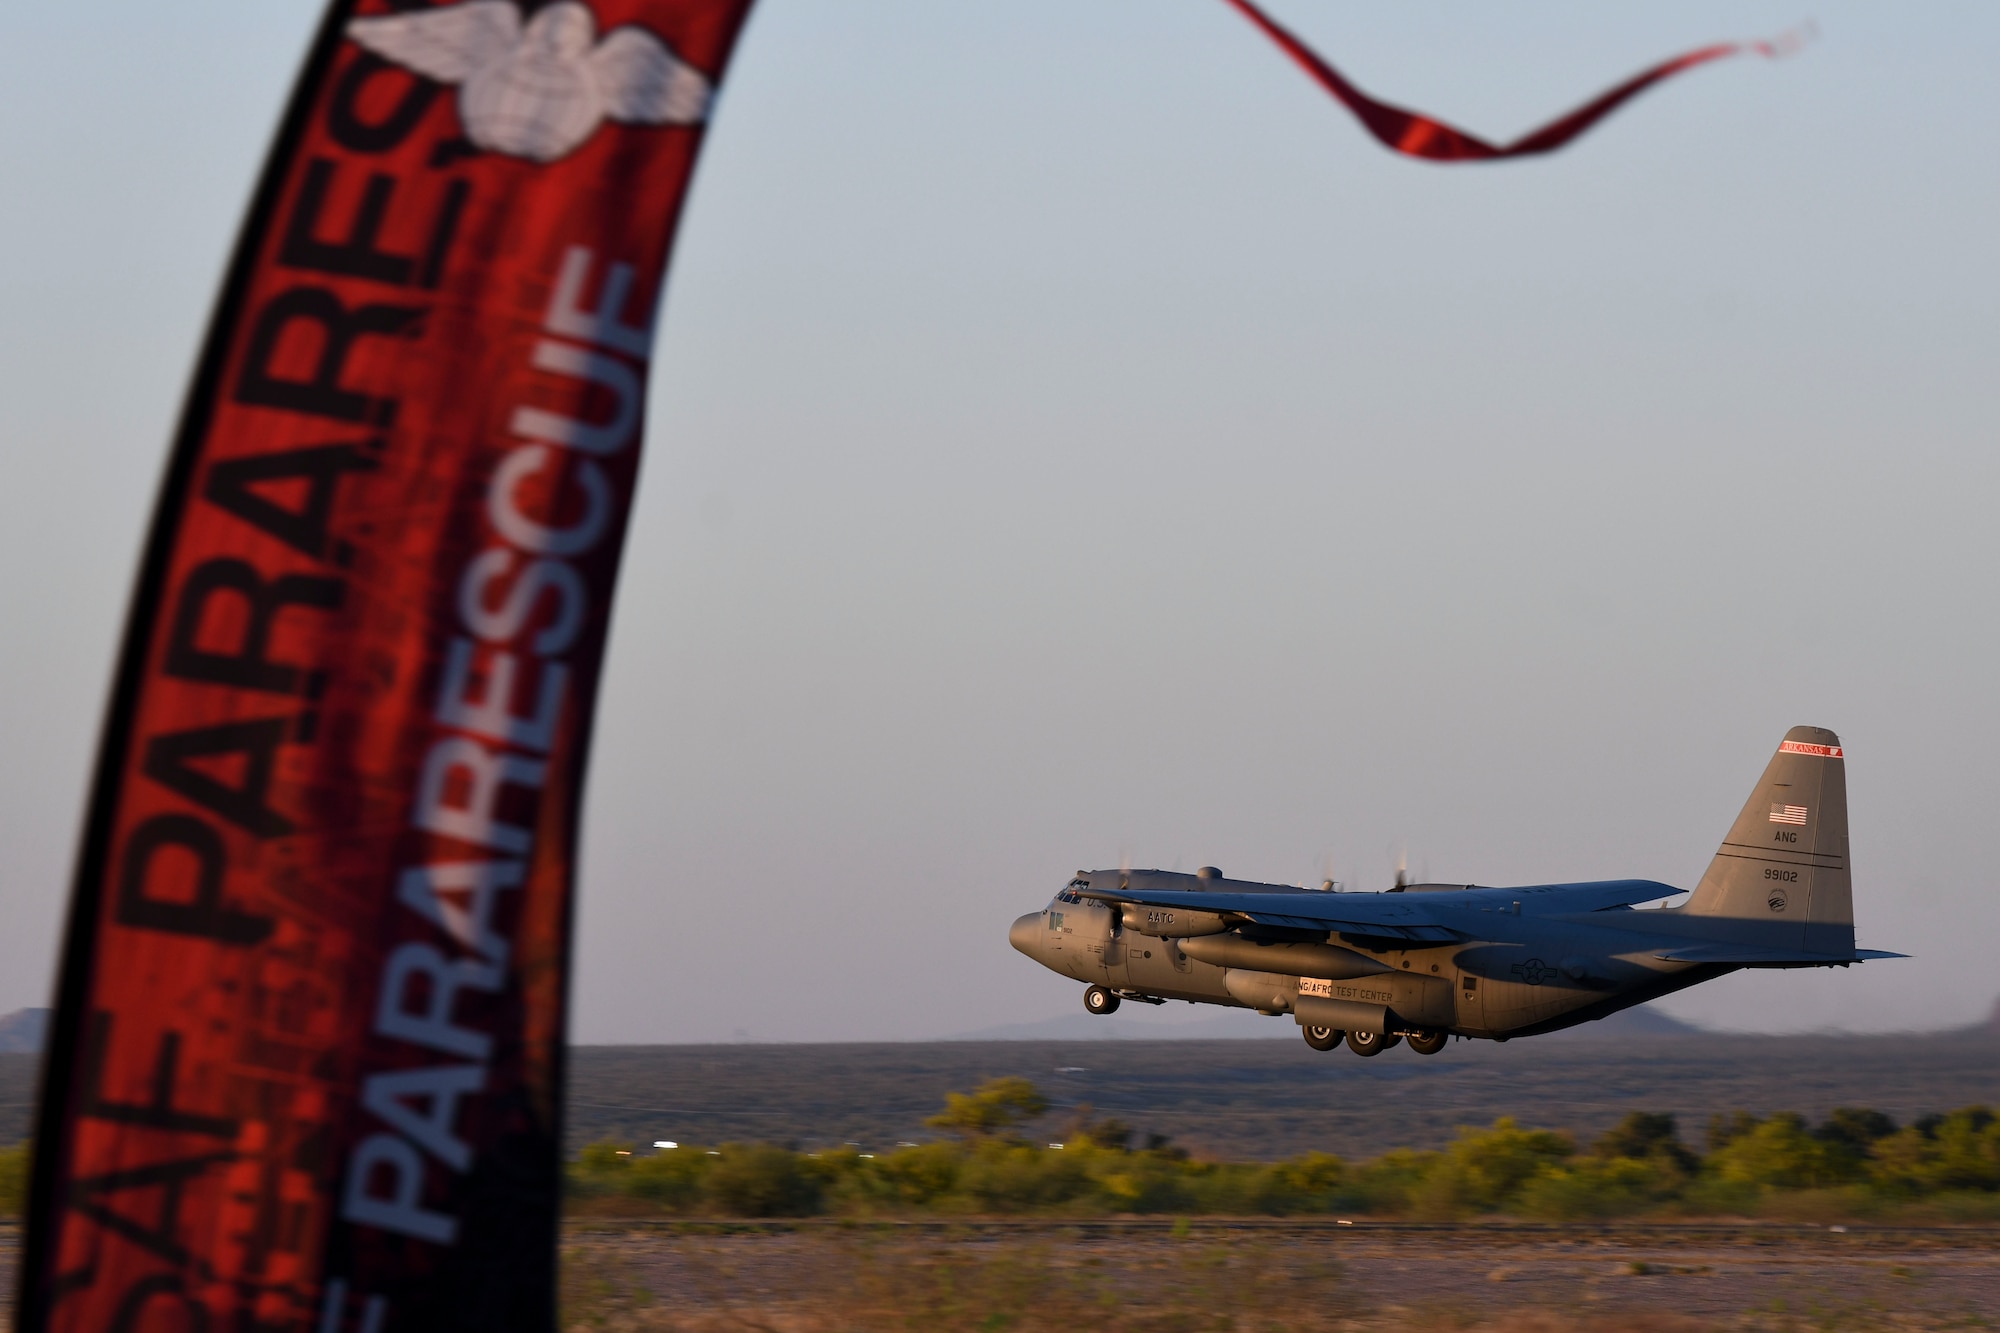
x: 1423, y: 963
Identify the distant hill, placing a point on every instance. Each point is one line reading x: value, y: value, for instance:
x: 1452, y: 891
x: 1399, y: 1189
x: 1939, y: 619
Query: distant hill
x: 1993, y: 1019
x: 21, y: 1032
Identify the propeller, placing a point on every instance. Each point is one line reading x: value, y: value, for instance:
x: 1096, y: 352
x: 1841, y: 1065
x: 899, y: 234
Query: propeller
x: 1327, y: 883
x: 1403, y: 880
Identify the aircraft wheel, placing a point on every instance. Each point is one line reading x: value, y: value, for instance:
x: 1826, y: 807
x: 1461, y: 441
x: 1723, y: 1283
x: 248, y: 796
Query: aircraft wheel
x: 1322, y: 1039
x: 1100, y: 1001
x: 1367, y: 1043
x: 1429, y: 1043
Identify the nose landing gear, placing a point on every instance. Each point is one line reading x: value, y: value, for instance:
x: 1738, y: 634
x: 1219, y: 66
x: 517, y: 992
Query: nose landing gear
x: 1098, y: 1000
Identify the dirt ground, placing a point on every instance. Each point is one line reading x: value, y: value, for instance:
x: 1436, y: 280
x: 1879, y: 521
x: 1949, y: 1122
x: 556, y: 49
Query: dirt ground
x: 1278, y: 1275
x: 1299, y: 1277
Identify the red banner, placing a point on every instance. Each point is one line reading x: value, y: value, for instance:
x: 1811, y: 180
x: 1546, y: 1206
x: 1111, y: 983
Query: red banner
x: 1416, y: 135
x: 306, y: 1068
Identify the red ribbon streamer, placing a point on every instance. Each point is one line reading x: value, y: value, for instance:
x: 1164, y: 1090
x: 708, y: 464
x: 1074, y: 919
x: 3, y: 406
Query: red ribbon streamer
x: 1417, y: 135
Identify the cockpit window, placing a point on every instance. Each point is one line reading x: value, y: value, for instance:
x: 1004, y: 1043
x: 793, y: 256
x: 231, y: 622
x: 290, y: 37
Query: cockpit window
x: 1069, y: 893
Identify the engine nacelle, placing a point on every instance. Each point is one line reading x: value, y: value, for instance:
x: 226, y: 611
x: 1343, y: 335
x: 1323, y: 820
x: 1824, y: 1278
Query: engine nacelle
x: 1298, y: 960
x: 1172, y: 923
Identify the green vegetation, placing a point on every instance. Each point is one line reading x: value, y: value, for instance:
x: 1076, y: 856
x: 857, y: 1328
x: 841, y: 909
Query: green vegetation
x: 1857, y: 1163
x: 13, y: 1180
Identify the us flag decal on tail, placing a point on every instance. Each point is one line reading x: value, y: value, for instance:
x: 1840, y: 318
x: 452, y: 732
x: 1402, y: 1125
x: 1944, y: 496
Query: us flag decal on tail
x: 1788, y: 814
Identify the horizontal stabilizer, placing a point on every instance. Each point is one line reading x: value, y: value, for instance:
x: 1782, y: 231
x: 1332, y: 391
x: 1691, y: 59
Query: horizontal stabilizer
x: 1750, y: 955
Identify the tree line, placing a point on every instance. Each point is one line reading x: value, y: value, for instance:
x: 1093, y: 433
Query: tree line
x: 1854, y: 1163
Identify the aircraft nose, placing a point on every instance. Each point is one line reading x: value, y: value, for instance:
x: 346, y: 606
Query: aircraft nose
x: 1026, y: 933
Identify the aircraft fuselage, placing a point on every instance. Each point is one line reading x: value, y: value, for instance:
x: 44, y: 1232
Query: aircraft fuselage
x: 1513, y: 975
x: 1433, y: 961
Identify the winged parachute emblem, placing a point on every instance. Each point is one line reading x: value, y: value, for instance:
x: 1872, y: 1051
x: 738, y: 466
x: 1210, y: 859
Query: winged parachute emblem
x: 539, y: 90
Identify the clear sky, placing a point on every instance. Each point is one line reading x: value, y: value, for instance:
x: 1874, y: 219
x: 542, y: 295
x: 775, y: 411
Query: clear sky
x: 1074, y: 442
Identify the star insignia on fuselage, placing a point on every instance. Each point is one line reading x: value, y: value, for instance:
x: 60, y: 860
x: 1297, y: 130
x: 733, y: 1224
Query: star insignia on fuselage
x: 1534, y: 972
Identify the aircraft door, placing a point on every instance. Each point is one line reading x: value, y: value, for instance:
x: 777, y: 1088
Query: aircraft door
x: 1096, y: 936
x: 1471, y: 1002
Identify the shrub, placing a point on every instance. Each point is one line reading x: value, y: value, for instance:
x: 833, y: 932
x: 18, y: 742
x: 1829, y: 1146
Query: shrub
x: 1315, y: 1183
x: 14, y: 1179
x: 1018, y: 1177
x: 1960, y: 1151
x: 761, y: 1180
x: 1149, y: 1182
x: 673, y: 1178
x: 600, y: 1169
x: 1483, y: 1170
x: 1599, y: 1187
x: 1389, y: 1183
x: 1645, y: 1137
x: 920, y: 1176
x: 1850, y: 1135
x: 999, y: 1105
x: 1855, y: 1128
x: 1780, y: 1152
x: 1723, y: 1129
x: 1706, y: 1196
x: 1109, y: 1132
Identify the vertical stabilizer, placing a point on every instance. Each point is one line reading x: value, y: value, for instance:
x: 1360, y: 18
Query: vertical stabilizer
x: 1782, y: 872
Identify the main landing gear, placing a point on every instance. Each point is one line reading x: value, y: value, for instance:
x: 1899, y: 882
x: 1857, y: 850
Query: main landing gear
x: 1425, y: 1042
x: 1322, y: 1039
x: 1098, y: 1000
x: 1371, y: 1043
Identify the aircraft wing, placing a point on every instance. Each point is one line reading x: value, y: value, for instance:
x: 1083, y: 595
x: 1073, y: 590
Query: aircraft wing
x: 1392, y: 916
x: 1746, y: 955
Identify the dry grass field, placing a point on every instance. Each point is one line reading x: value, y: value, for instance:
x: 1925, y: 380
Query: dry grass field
x: 1131, y: 1276
x: 1126, y: 1277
